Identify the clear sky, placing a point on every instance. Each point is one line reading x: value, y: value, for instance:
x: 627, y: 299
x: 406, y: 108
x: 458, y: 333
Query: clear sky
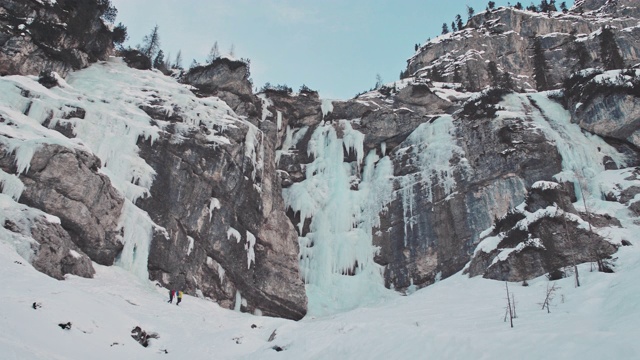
x: 334, y: 46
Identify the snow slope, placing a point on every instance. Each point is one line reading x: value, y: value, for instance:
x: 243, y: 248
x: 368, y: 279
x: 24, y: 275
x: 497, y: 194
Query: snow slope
x: 453, y: 319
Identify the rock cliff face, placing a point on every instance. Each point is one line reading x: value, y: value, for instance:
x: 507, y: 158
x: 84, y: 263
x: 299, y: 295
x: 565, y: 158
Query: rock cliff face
x: 281, y: 203
x: 229, y: 235
x: 506, y: 37
x: 59, y: 36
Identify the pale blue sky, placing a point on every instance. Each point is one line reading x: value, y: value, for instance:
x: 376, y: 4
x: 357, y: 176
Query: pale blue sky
x: 334, y: 46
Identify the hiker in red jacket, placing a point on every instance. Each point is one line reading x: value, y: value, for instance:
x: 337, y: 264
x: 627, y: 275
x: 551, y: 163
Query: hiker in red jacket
x: 172, y: 293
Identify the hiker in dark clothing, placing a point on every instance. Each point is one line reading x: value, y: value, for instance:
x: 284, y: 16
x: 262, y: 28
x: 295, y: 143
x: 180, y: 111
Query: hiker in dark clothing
x: 171, y: 294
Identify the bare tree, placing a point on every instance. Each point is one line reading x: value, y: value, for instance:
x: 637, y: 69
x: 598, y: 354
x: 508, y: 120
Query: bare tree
x: 177, y: 64
x: 167, y: 61
x: 214, y: 53
x: 549, y: 295
x: 572, y: 245
x: 509, y: 311
x: 232, y: 50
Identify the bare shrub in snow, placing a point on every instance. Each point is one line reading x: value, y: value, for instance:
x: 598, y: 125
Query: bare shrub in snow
x: 549, y: 295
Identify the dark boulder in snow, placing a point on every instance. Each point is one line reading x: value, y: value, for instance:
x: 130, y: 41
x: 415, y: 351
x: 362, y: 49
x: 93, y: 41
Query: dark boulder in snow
x: 142, y: 337
x: 136, y: 59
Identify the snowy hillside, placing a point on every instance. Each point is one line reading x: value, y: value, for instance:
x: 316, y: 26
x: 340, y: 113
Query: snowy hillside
x: 457, y: 318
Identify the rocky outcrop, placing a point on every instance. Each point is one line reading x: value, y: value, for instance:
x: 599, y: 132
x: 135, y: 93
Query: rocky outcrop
x: 545, y: 236
x: 432, y: 234
x: 606, y: 103
x: 51, y: 251
x: 227, y: 79
x: 505, y: 36
x: 66, y: 183
x: 58, y: 36
x: 56, y: 255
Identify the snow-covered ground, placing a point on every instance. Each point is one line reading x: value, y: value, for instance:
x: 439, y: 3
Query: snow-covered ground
x: 457, y: 318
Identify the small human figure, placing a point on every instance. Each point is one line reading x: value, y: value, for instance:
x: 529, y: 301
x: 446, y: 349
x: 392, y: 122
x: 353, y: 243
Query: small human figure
x: 179, y: 297
x: 171, y: 295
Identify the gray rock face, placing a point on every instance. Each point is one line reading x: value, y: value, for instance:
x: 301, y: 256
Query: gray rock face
x: 550, y: 242
x: 52, y: 251
x: 65, y: 183
x: 619, y: 8
x: 56, y: 255
x: 60, y: 37
x: 498, y: 159
x: 229, y: 235
x: 609, y: 108
x: 506, y: 35
x: 228, y: 80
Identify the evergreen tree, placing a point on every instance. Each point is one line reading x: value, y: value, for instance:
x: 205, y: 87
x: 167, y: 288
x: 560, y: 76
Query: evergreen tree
x: 457, y: 78
x: 150, y: 43
x: 563, y: 7
x: 578, y: 50
x: 119, y: 34
x: 609, y: 51
x: 544, y: 6
x: 459, y: 22
x: 109, y: 11
x: 416, y: 47
x: 158, y: 62
x: 470, y: 12
x: 214, y: 53
x: 518, y: 6
x: 471, y: 79
x: 491, y: 5
x: 540, y: 66
x: 453, y: 26
x: 379, y: 82
x: 437, y: 74
x: 445, y: 29
x: 494, y: 74
x: 506, y: 82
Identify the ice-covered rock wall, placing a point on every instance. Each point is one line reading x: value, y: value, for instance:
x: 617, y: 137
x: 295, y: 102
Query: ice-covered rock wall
x: 143, y: 173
